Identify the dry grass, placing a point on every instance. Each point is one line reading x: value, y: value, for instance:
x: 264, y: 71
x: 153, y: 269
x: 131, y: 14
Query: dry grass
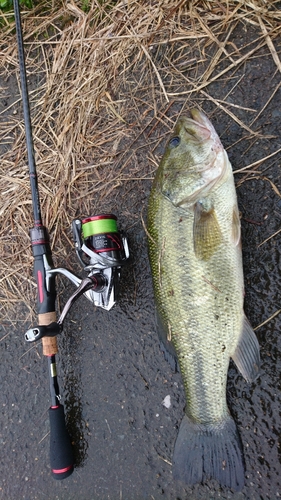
x: 106, y: 88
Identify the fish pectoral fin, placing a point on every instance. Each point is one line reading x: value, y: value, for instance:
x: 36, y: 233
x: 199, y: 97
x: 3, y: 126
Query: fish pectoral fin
x: 206, y: 231
x: 236, y: 228
x: 166, y: 345
x: 247, y: 353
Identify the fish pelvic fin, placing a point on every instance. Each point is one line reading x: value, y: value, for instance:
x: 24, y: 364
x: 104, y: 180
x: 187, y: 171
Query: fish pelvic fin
x: 236, y: 228
x: 206, y: 231
x: 247, y: 353
x: 209, y: 451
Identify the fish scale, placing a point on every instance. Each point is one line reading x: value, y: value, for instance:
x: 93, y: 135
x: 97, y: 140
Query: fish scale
x: 196, y: 263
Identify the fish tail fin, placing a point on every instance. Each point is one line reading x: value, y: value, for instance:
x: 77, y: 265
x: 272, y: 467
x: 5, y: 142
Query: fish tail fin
x: 209, y: 451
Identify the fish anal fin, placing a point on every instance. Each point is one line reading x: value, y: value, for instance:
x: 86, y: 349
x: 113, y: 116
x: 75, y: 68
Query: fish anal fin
x: 206, y: 231
x: 247, y: 353
x: 166, y: 345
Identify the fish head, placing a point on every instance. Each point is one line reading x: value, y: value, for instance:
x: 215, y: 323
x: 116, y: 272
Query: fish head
x: 193, y: 162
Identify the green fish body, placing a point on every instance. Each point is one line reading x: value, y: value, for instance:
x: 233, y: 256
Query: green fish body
x: 196, y: 262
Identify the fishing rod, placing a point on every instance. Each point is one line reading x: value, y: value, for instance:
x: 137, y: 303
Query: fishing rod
x: 101, y: 249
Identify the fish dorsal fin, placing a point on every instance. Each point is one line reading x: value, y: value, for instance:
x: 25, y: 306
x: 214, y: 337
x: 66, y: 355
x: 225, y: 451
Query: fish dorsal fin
x: 247, y: 353
x: 236, y: 228
x: 166, y: 345
x: 206, y: 230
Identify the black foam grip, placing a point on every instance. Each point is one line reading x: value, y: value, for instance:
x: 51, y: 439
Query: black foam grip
x: 61, y: 453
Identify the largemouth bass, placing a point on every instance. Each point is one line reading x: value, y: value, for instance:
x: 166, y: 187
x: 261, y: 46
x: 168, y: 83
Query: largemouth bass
x: 196, y: 262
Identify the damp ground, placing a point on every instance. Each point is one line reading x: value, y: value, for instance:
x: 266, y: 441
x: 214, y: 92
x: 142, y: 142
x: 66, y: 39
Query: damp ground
x: 112, y: 374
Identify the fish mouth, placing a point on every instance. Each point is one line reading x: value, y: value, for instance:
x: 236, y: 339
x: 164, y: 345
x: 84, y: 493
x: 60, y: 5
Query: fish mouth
x: 206, y: 156
x: 200, y: 118
x: 197, y: 126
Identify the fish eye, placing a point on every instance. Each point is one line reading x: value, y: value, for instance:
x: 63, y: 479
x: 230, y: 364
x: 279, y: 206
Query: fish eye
x: 174, y: 142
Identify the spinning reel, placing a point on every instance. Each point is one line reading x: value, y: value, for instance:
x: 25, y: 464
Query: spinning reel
x: 101, y: 250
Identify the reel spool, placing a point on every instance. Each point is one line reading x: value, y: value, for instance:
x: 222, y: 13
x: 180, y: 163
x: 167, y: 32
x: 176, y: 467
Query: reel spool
x: 99, y: 239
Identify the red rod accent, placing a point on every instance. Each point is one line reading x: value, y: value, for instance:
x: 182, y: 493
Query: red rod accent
x: 61, y: 471
x: 39, y: 242
x: 40, y: 286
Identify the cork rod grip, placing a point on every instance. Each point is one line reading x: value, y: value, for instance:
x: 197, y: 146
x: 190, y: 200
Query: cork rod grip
x: 50, y: 345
